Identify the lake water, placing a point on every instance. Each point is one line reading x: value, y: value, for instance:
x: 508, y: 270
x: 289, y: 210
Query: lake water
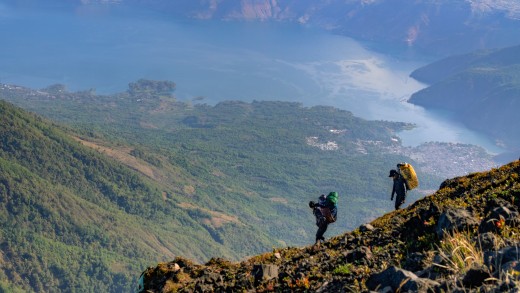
x: 107, y: 49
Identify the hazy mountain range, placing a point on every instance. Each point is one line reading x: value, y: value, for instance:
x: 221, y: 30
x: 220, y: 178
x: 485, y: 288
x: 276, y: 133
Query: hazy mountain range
x: 438, y: 27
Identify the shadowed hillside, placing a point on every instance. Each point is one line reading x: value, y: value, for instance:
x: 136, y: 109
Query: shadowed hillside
x: 464, y: 238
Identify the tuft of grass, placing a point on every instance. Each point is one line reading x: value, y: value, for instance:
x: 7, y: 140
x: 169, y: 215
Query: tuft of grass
x: 343, y: 270
x: 460, y: 252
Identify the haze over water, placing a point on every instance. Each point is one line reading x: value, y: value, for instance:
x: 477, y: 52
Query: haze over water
x: 107, y: 49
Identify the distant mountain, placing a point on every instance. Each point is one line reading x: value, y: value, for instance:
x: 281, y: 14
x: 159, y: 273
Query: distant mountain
x: 462, y: 238
x: 481, y: 89
x: 442, y: 27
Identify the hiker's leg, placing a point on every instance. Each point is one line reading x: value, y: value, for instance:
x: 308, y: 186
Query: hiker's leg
x: 397, y: 202
x: 321, y: 230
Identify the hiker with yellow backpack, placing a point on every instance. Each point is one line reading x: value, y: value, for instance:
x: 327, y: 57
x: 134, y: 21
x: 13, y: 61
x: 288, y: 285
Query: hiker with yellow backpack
x: 405, y: 179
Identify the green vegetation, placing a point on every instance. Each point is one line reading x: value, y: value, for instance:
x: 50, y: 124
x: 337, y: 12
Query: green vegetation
x: 138, y: 177
x: 345, y: 269
x: 74, y: 220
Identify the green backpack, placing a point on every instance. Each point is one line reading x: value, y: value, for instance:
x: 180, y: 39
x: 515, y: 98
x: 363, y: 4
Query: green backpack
x: 332, y: 197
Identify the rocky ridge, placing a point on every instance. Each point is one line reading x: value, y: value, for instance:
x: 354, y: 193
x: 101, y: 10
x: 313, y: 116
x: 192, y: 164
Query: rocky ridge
x: 462, y: 238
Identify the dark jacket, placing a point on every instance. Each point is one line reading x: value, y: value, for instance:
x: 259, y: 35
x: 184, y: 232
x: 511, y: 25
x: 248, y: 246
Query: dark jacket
x: 399, y: 187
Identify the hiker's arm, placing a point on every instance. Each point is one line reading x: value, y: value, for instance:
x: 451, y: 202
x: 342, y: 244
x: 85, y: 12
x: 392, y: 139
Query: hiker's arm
x: 405, y: 185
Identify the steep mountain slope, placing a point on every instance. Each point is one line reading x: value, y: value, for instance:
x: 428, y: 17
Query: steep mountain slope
x: 481, y: 89
x: 73, y: 219
x: 462, y: 238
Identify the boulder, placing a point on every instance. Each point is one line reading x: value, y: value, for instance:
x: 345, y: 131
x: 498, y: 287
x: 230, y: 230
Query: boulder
x: 399, y: 280
x: 414, y: 262
x: 512, y: 267
x: 487, y: 241
x: 366, y: 227
x: 498, y: 217
x: 508, y: 254
x: 498, y: 258
x: 476, y: 276
x: 360, y: 253
x: 264, y: 272
x: 455, y: 220
x: 211, y: 278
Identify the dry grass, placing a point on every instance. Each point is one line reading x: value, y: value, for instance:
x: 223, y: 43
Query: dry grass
x: 216, y: 219
x: 459, y: 252
x: 279, y: 199
x: 122, y: 155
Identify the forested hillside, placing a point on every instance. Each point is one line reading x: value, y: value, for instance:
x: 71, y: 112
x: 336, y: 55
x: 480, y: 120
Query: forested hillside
x: 139, y: 177
x: 73, y: 219
x: 481, y: 89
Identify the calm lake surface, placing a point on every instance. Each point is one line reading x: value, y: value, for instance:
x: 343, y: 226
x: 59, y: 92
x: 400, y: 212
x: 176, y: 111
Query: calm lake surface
x: 105, y: 49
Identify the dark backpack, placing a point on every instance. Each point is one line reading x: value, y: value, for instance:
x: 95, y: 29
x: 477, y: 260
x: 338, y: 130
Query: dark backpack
x: 327, y: 214
x: 332, y: 202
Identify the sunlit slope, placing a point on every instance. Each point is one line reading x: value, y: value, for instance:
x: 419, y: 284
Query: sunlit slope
x: 461, y: 238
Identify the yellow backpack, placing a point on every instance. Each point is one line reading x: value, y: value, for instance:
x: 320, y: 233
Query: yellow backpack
x: 406, y: 170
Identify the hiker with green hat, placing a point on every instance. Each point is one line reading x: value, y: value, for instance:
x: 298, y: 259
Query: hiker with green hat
x: 325, y: 211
